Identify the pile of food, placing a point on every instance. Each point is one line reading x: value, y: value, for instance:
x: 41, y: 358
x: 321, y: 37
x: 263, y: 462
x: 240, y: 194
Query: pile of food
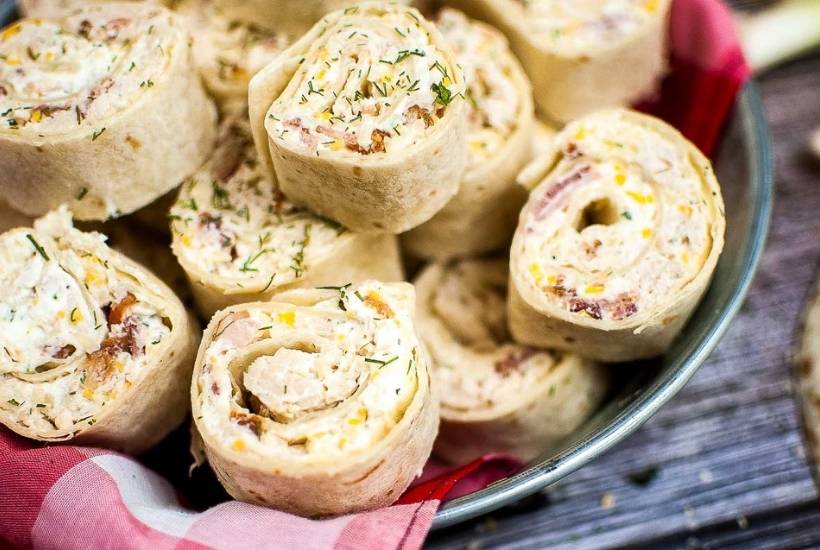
x: 278, y: 167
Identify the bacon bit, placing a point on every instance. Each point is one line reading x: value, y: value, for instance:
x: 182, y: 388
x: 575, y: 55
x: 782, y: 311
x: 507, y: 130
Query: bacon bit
x: 377, y: 138
x: 251, y: 421
x: 119, y: 310
x: 113, y: 27
x: 593, y: 309
x: 353, y: 145
x: 308, y: 139
x: 64, y: 351
x: 133, y: 142
x: 506, y: 366
x: 561, y: 291
x: 100, y: 88
x: 209, y: 221
x: 3, y: 91
x: 85, y: 28
x: 416, y: 112
x: 592, y: 249
x: 571, y: 151
x: 377, y: 145
x: 541, y: 207
x: 215, y: 388
x: 102, y: 363
x: 373, y: 301
x: 623, y: 307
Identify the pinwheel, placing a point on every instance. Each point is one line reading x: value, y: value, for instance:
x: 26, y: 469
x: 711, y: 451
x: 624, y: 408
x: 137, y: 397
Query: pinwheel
x: 362, y: 119
x: 318, y: 402
x: 240, y: 240
x: 102, y: 110
x: 496, y: 395
x: 618, y: 240
x: 93, y: 347
x: 482, y: 215
x: 582, y: 55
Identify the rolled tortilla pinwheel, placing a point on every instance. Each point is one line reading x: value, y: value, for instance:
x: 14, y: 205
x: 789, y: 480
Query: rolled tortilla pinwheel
x: 582, y: 55
x: 482, y: 215
x: 617, y: 242
x: 93, y: 347
x: 807, y: 364
x: 316, y: 403
x: 226, y: 51
x: 362, y: 119
x: 102, y: 110
x: 496, y: 395
x: 240, y: 240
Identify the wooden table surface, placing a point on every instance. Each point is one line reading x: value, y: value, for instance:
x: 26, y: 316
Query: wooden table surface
x: 722, y: 465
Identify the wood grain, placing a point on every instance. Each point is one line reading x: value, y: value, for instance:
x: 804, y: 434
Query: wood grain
x: 727, y: 455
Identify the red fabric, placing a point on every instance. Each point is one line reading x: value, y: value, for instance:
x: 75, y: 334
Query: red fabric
x: 72, y: 497
x: 707, y: 69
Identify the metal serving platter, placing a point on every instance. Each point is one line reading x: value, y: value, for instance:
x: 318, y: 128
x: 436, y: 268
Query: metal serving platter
x: 744, y: 168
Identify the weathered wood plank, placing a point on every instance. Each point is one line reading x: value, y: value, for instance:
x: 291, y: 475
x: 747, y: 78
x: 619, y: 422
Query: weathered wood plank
x: 728, y: 447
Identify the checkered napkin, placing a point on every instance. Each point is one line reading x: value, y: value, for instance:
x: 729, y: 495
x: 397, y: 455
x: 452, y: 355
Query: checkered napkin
x: 75, y: 497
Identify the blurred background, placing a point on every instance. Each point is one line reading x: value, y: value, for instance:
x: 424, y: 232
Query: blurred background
x: 723, y: 465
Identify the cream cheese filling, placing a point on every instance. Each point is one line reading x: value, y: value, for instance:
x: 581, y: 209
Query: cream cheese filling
x: 310, y: 383
x: 370, y: 84
x: 577, y: 26
x: 493, y: 98
x: 230, y: 221
x: 621, y: 222
x: 75, y: 331
x: 58, y: 75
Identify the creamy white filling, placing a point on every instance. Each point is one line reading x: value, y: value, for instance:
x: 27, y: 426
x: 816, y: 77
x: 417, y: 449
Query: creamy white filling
x: 332, y: 378
x: 622, y: 221
x: 229, y: 221
x: 494, y: 99
x: 55, y: 304
x: 228, y: 52
x: 371, y: 83
x: 463, y: 323
x: 579, y: 25
x: 56, y: 75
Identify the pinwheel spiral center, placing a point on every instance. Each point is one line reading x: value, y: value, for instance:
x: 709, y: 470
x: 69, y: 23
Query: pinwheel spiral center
x: 292, y: 383
x: 598, y: 212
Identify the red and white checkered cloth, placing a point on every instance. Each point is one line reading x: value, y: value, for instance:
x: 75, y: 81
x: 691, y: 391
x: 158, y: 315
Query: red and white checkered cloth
x: 74, y: 497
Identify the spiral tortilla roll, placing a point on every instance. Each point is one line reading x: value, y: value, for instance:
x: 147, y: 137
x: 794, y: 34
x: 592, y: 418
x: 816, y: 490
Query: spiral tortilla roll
x: 482, y: 215
x: 239, y: 240
x: 617, y: 242
x: 363, y: 119
x: 93, y: 347
x: 101, y: 110
x: 496, y: 395
x: 226, y: 51
x: 319, y: 402
x: 582, y: 55
x: 807, y: 363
